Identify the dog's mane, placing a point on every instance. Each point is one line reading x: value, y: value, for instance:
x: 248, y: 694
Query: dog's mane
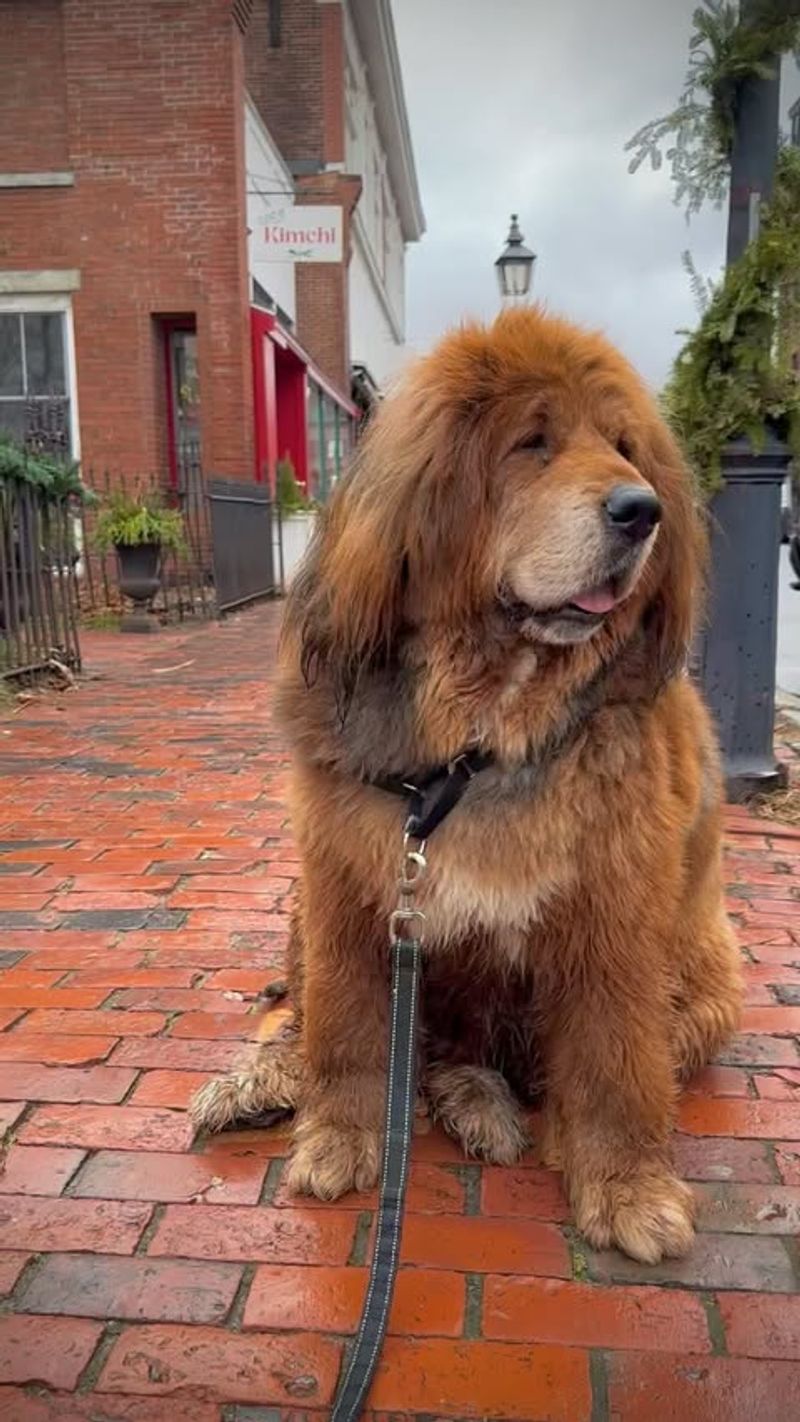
x: 415, y: 512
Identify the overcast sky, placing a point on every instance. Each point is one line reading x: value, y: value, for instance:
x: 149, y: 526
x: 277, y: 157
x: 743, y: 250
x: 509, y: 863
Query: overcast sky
x: 525, y: 106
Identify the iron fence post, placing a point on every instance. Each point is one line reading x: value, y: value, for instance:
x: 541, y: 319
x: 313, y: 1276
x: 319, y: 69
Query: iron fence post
x: 737, y: 653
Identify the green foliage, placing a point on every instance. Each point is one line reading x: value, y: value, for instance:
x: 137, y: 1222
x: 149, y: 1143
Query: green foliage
x: 126, y: 522
x: 54, y: 478
x: 733, y: 375
x: 723, y: 52
x: 289, y: 493
x: 702, y: 288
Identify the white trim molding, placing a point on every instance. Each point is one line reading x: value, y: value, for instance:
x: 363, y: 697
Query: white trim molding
x: 37, y: 180
x: 374, y: 29
x: 394, y: 322
x: 31, y: 283
x: 53, y: 301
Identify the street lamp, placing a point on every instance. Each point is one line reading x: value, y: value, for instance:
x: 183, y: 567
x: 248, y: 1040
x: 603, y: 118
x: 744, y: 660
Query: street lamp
x: 515, y: 265
x: 737, y: 651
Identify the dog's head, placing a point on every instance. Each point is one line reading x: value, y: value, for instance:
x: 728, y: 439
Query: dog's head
x: 519, y: 483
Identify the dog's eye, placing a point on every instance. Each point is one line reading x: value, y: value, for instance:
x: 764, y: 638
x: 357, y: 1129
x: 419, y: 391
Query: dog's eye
x: 535, y: 444
x: 624, y: 449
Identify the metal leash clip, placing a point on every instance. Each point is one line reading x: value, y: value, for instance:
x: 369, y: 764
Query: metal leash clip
x: 413, y: 870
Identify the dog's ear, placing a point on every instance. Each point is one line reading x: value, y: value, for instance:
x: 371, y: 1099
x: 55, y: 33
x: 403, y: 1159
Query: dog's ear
x: 399, y: 533
x: 677, y: 566
x: 346, y: 602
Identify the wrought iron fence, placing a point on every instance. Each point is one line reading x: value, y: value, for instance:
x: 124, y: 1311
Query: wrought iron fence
x: 186, y: 574
x: 38, y: 585
x: 242, y: 538
x: 228, y: 554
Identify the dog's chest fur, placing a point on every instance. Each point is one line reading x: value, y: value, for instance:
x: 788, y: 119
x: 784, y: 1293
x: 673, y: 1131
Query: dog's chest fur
x: 496, y: 865
x: 460, y: 902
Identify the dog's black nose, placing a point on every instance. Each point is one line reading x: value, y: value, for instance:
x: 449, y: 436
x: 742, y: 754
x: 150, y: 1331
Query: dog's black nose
x: 633, y: 511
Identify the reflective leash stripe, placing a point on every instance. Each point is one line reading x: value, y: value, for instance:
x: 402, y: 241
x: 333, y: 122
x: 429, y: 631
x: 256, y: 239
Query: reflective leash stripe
x: 399, y: 1120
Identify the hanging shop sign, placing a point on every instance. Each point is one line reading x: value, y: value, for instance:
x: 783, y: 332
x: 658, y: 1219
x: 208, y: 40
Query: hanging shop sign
x: 299, y: 234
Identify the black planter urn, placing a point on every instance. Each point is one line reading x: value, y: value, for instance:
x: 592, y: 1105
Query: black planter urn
x: 139, y: 581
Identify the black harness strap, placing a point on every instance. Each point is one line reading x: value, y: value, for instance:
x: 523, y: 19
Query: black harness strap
x: 400, y: 1102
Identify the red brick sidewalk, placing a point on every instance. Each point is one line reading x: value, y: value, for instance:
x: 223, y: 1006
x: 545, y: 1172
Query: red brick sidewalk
x: 147, y: 868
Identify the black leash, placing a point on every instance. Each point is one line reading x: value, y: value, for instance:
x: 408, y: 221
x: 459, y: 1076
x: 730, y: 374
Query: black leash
x: 400, y: 1102
x: 430, y: 803
x: 431, y: 795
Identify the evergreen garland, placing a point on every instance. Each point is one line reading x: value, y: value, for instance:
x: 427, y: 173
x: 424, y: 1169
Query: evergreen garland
x: 723, y: 51
x: 733, y: 375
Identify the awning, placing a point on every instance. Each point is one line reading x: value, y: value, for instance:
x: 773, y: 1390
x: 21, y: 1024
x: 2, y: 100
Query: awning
x: 285, y: 341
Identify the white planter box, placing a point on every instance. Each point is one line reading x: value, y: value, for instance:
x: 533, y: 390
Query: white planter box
x: 296, y: 532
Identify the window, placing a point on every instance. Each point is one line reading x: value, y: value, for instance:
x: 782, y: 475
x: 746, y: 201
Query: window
x: 794, y: 115
x: 346, y: 430
x: 34, y: 377
x: 186, y: 388
x: 179, y: 336
x: 330, y: 412
x: 330, y: 441
x: 315, y: 483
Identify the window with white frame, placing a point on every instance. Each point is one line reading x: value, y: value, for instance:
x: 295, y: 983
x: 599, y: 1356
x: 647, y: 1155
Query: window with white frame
x: 35, y: 395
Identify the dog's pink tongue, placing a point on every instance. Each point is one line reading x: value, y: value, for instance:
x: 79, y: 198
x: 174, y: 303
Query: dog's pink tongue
x: 598, y: 600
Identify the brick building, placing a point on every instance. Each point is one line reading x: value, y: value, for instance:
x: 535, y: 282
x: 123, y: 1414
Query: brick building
x: 148, y: 153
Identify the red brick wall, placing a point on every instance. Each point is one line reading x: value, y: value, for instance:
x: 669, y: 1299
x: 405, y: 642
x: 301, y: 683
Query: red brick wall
x: 155, y: 223
x: 286, y: 82
x: 33, y: 115
x: 322, y: 289
x: 333, y: 86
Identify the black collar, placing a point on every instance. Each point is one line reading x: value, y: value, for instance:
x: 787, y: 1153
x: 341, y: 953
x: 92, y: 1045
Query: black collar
x: 433, y: 793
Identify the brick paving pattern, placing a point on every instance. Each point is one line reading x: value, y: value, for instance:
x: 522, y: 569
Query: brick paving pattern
x: 147, y: 871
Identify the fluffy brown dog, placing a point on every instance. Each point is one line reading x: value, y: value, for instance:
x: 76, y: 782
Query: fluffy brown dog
x: 512, y: 563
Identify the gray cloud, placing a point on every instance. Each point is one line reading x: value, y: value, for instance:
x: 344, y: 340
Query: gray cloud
x: 522, y: 105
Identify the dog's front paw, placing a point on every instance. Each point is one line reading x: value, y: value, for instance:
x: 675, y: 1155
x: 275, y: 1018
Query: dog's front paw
x: 268, y: 1088
x: 233, y: 1100
x: 328, y: 1161
x: 649, y: 1217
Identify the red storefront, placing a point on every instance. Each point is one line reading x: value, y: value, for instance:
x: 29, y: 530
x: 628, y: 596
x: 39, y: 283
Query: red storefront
x: 299, y: 415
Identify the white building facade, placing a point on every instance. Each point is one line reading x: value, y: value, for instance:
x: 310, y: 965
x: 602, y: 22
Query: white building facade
x: 270, y: 195
x: 389, y: 213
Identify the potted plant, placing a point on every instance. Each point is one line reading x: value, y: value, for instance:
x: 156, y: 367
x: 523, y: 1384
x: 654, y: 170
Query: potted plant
x: 297, y: 517
x: 138, y: 529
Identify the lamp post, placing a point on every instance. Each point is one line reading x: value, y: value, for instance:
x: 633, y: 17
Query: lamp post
x: 739, y: 645
x: 514, y: 266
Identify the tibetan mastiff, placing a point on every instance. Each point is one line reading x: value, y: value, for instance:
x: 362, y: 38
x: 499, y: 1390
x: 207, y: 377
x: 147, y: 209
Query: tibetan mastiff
x: 511, y: 568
